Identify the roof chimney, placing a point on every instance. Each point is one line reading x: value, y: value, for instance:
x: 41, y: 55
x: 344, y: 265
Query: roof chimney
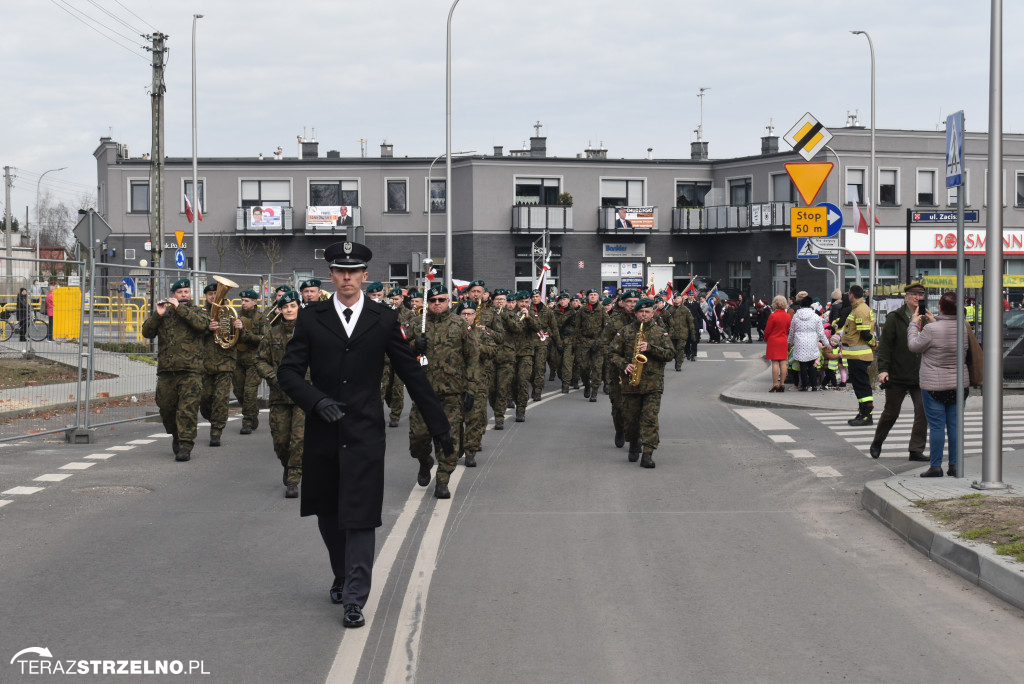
x: 498, y: 150
x: 387, y: 150
x: 769, y: 144
x: 595, y: 152
x: 699, y: 150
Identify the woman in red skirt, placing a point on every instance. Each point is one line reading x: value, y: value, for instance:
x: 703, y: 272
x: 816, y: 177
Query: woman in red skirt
x: 776, y: 334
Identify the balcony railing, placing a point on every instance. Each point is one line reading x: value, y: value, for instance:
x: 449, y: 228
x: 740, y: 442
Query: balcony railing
x: 757, y: 217
x: 243, y: 223
x: 607, y: 216
x: 536, y: 218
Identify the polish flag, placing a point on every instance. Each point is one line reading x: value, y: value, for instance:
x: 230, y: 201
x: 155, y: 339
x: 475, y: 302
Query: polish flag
x: 668, y: 292
x: 861, y: 220
x: 543, y: 278
x: 188, y: 210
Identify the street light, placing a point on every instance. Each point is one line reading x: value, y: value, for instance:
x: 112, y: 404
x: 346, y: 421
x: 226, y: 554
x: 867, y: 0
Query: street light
x: 430, y: 172
x: 39, y: 223
x: 448, y: 153
x: 196, y: 208
x: 874, y: 182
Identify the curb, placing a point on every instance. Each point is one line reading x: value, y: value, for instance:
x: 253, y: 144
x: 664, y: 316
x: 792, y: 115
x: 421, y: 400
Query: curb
x: 977, y: 563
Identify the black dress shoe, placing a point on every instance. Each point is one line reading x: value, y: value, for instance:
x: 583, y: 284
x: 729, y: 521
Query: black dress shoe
x: 918, y: 456
x: 441, y: 491
x: 215, y: 440
x: 353, y: 616
x: 423, y: 477
x: 952, y: 471
x: 876, y: 450
x: 620, y: 439
x: 336, y: 592
x: 932, y: 472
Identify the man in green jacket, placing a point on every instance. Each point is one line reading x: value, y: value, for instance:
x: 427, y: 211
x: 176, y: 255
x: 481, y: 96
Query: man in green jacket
x: 898, y: 370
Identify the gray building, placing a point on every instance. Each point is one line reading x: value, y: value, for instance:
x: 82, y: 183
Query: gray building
x: 725, y: 219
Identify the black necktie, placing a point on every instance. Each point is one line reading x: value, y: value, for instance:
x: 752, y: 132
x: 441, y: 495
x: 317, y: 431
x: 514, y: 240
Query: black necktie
x: 348, y: 315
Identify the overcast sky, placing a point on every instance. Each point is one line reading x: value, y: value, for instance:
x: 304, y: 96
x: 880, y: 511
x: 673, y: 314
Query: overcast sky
x: 591, y: 71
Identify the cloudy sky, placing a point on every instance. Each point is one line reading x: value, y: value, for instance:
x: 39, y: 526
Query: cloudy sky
x: 591, y: 71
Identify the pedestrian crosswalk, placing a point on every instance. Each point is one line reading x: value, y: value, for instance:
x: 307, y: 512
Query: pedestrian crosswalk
x: 718, y: 352
x: 895, y: 445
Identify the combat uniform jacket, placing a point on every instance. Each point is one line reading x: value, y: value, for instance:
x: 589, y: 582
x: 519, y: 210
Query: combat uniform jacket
x: 253, y: 329
x: 590, y: 323
x: 565, y: 323
x: 268, y: 358
x: 616, y: 321
x: 453, y: 355
x: 493, y: 321
x: 659, y: 350
x: 522, y: 332
x: 855, y: 347
x: 180, y: 337
x: 216, y: 358
x: 548, y: 327
x: 680, y: 326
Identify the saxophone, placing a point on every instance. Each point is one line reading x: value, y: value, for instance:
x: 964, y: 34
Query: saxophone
x: 226, y: 337
x: 638, y: 359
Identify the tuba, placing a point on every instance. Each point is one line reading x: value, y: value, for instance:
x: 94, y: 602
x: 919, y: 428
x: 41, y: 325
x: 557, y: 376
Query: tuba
x: 226, y: 337
x: 639, y: 359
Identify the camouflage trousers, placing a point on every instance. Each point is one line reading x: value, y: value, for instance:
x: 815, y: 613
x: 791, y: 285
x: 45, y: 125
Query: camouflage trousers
x: 287, y: 425
x: 421, y: 443
x: 640, y: 416
x: 246, y: 382
x: 474, y: 421
x: 591, y: 363
x: 390, y: 382
x: 500, y: 387
x: 177, y: 396
x: 540, y: 360
x: 570, y: 371
x: 523, y: 380
x: 680, y: 347
x: 615, y: 394
x: 214, y: 401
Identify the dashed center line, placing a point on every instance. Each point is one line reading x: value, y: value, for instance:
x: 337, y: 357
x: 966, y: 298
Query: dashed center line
x: 824, y: 471
x: 122, y: 447
x: 763, y: 419
x: 801, y: 453
x: 101, y: 457
x: 142, y: 441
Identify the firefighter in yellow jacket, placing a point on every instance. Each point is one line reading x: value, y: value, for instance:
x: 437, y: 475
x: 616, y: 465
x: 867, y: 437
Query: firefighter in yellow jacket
x: 858, y: 340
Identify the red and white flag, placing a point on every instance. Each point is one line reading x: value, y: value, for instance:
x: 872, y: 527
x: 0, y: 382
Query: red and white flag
x: 188, y: 210
x: 668, y: 292
x: 690, y: 289
x: 543, y: 278
x: 860, y: 218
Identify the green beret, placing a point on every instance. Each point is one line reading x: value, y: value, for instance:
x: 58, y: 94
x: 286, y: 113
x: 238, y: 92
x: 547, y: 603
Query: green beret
x: 498, y: 292
x: 521, y: 294
x: 575, y: 298
x: 178, y: 284
x: 415, y: 294
x: 437, y: 290
x: 395, y: 292
x: 644, y: 303
x: 464, y: 306
x: 375, y: 286
x: 212, y: 287
x: 593, y: 291
x: 283, y: 288
x: 312, y: 282
x: 629, y: 294
x: 474, y: 283
x: 289, y: 296
x: 534, y: 292
x: 248, y: 294
x: 606, y: 301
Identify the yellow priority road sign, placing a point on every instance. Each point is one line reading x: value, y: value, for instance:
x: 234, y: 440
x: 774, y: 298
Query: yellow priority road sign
x: 808, y: 136
x: 808, y: 221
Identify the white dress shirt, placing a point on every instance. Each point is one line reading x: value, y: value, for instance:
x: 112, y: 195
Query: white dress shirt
x: 357, y: 308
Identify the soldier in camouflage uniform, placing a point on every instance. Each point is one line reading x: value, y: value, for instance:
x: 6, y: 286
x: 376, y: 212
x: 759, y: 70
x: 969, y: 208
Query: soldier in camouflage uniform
x: 522, y: 327
x: 590, y: 322
x: 453, y: 369
x: 246, y: 381
x: 179, y: 327
x: 681, y: 330
x: 375, y: 291
x: 624, y: 317
x: 489, y: 320
x: 565, y: 323
x: 392, y: 389
x: 218, y: 368
x: 500, y: 382
x: 474, y: 422
x: 641, y: 403
x: 546, y: 336
x: 287, y: 420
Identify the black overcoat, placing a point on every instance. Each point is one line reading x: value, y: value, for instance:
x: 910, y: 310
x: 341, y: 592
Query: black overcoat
x: 343, y: 462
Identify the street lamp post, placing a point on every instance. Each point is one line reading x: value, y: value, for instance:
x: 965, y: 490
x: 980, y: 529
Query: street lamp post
x: 196, y: 208
x: 39, y: 223
x: 872, y: 199
x: 448, y: 153
x: 430, y: 206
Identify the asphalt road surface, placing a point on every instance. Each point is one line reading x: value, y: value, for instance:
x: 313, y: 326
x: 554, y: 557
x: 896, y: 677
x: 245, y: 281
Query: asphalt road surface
x: 743, y: 557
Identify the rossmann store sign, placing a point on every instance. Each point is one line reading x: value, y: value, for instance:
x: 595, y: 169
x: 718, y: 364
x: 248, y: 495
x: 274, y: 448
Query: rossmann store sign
x: 932, y: 240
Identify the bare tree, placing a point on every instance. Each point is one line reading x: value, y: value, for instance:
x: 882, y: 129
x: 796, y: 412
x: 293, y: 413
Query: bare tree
x: 221, y: 242
x: 55, y: 221
x: 272, y: 248
x: 245, y: 250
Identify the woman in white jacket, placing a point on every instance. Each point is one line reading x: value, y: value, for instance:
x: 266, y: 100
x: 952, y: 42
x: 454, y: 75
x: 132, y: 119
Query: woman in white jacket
x: 805, y: 332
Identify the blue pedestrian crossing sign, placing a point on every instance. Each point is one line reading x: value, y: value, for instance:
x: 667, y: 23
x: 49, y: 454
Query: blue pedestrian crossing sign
x: 179, y: 258
x: 955, y: 149
x: 128, y: 287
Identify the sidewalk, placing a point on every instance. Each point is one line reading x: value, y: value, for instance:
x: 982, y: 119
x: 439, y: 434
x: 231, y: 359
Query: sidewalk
x: 891, y: 500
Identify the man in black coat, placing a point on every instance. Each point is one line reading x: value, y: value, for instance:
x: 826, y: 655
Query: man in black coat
x: 342, y: 342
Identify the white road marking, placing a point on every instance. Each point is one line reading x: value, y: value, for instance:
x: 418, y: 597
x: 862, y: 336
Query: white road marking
x: 141, y: 441
x: 23, y: 490
x: 801, y: 453
x: 781, y: 438
x: 120, y: 447
x: 732, y: 355
x: 824, y: 471
x: 199, y: 425
x: 763, y: 419
x: 159, y: 434
x: 101, y: 457
x: 79, y: 465
x: 702, y: 355
x: 4, y: 502
x: 52, y: 477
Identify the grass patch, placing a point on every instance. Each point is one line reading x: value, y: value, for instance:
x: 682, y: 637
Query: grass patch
x: 145, y: 359
x: 123, y: 347
x: 976, y: 495
x: 998, y: 520
x: 19, y: 372
x: 974, y: 534
x: 1016, y: 549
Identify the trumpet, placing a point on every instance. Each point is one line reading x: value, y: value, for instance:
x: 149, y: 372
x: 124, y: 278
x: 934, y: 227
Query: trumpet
x: 639, y: 359
x: 523, y: 315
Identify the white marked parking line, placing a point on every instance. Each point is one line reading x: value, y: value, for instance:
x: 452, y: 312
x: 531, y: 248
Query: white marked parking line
x: 824, y: 471
x: 79, y: 465
x: 101, y: 457
x: 52, y: 477
x: 120, y: 447
x: 142, y: 441
x: 23, y: 490
x: 781, y: 438
x: 801, y: 453
x: 763, y: 419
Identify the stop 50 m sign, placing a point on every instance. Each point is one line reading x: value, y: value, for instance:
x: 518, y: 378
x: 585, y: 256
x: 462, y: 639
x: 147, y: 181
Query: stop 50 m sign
x: 808, y: 222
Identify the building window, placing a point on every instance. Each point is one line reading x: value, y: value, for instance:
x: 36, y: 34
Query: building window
x: 257, y: 193
x: 855, y: 186
x: 399, y: 274
x: 1020, y: 190
x: 622, y: 193
x: 739, y: 192
x: 343, y: 193
x: 783, y: 189
x: 537, y: 191
x: 938, y: 266
x: 953, y: 193
x: 1010, y: 266
x: 925, y: 188
x: 888, y: 190
x: 139, y: 192
x: 129, y: 255
x: 739, y: 275
x: 187, y: 192
x: 691, y: 194
x: 398, y: 195
x: 438, y: 195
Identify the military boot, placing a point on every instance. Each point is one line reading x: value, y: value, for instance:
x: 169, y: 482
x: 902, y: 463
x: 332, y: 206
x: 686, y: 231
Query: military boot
x: 510, y: 404
x: 551, y: 376
x: 215, y: 439
x: 291, y: 491
x: 586, y: 390
x: 536, y: 395
x: 593, y: 397
x: 521, y: 415
x: 499, y: 423
x: 246, y: 429
x: 393, y: 422
x: 183, y: 455
x: 679, y: 367
x: 620, y: 439
x: 441, y: 490
x: 423, y: 477
x: 634, y: 451
x: 647, y: 460
x: 565, y: 388
x: 470, y: 460
x: 174, y: 444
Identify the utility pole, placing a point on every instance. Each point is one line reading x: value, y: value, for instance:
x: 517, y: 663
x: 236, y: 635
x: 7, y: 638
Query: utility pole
x: 8, y: 228
x: 157, y: 173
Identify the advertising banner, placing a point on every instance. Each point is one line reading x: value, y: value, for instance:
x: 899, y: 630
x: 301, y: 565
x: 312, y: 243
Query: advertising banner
x: 328, y: 217
x: 265, y: 217
x: 637, y: 218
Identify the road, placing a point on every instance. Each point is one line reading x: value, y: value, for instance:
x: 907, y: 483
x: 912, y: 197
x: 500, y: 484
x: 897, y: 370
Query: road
x: 744, y: 556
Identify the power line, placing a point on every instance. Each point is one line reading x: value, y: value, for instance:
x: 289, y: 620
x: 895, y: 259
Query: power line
x: 136, y: 15
x: 115, y: 17
x: 121, y: 45
x: 97, y: 21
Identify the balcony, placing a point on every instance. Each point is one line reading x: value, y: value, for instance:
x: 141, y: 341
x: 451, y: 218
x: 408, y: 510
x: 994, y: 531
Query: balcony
x: 538, y: 218
x: 279, y: 225
x: 751, y: 218
x: 644, y: 220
